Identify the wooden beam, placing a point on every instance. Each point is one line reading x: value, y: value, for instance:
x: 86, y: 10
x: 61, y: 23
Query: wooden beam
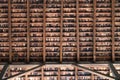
x: 94, y: 31
x: 92, y: 77
x: 4, y: 69
x: 10, y: 33
x: 23, y: 73
x: 77, y: 29
x: 26, y: 77
x: 9, y: 72
x: 44, y: 31
x: 59, y: 73
x: 94, y: 72
x: 76, y: 73
x: 113, y: 30
x: 113, y: 70
x: 61, y: 31
x: 28, y: 31
x: 42, y: 73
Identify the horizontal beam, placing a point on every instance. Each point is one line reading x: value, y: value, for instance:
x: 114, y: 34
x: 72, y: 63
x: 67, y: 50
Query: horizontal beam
x: 94, y: 72
x: 23, y: 73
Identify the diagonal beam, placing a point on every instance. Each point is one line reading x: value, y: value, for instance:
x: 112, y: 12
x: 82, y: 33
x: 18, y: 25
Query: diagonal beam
x: 94, y: 72
x: 23, y: 73
x: 4, y: 69
x: 114, y: 71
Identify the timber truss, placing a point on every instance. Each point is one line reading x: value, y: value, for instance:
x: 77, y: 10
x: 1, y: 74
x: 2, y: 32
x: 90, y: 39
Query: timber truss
x: 93, y: 71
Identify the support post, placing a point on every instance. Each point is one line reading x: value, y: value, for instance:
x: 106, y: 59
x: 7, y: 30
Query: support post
x: 113, y: 30
x: 94, y: 31
x: 44, y: 31
x: 61, y: 31
x: 28, y: 32
x: 77, y: 29
x: 9, y: 23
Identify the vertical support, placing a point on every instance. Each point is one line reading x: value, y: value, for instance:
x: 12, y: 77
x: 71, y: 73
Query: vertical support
x: 92, y: 76
x: 28, y: 31
x: 42, y: 74
x: 26, y: 77
x: 44, y: 31
x: 9, y: 23
x: 77, y: 29
x: 113, y: 30
x: 61, y: 27
x: 94, y: 31
x: 76, y: 73
x: 58, y: 74
x: 9, y: 72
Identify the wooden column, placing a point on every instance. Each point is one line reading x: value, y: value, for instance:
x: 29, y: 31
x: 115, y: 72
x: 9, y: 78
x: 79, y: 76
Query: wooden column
x: 92, y: 76
x: 77, y: 29
x: 76, y: 73
x: 44, y: 31
x: 9, y: 23
x: 94, y: 31
x: 42, y: 73
x: 9, y: 73
x: 28, y: 31
x: 58, y: 74
x: 113, y: 30
x: 61, y: 29
x: 26, y: 77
